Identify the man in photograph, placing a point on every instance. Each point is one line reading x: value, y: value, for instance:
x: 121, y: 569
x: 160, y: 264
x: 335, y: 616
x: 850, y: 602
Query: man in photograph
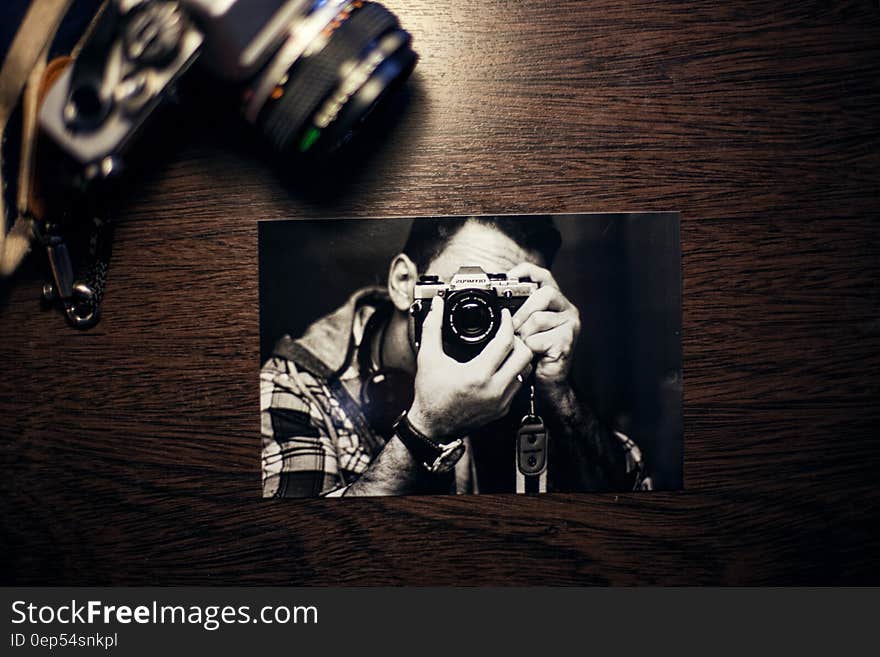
x: 358, y: 406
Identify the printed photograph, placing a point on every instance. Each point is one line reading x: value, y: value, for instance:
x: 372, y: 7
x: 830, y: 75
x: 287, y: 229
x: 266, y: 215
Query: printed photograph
x: 520, y: 354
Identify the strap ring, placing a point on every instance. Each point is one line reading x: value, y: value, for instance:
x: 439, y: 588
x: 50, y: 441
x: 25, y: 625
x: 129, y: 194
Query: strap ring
x: 83, y: 296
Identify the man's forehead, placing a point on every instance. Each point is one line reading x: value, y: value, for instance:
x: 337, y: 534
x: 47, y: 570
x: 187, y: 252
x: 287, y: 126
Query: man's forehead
x: 479, y: 245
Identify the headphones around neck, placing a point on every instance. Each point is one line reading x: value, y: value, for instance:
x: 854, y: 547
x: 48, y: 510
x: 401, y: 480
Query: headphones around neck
x: 386, y: 391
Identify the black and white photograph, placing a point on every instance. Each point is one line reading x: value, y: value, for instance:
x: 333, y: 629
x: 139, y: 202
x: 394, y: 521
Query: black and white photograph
x: 471, y: 354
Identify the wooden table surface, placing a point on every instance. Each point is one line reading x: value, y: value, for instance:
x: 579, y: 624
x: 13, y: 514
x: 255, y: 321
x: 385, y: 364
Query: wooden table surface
x: 130, y: 453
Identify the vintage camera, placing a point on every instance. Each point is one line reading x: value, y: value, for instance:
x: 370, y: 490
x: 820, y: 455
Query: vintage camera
x: 306, y: 73
x: 473, y: 301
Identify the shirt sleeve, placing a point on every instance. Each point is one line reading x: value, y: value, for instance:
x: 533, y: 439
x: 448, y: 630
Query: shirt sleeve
x: 299, y: 457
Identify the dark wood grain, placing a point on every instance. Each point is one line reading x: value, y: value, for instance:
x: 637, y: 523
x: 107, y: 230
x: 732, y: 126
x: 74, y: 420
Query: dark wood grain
x: 130, y: 452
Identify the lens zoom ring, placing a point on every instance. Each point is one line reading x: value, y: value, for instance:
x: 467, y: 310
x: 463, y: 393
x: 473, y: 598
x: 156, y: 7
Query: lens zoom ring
x: 314, y: 78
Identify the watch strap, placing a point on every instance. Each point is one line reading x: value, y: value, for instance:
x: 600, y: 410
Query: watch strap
x: 433, y: 455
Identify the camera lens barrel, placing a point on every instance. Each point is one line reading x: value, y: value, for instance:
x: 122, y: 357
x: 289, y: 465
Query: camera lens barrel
x: 365, y: 39
x: 472, y: 320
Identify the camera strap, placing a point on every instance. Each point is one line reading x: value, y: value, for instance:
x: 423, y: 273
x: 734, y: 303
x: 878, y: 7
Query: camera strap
x: 41, y: 208
x: 532, y: 443
x: 22, y: 71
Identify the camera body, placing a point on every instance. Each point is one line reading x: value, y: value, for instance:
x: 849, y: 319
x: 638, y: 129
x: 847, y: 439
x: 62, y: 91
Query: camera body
x: 473, y: 301
x: 306, y: 73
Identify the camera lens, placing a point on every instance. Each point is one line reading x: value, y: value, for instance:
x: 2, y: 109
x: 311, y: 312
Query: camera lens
x: 472, y: 317
x: 339, y: 72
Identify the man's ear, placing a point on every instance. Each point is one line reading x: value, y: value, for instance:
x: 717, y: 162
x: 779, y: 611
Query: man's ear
x: 402, y: 277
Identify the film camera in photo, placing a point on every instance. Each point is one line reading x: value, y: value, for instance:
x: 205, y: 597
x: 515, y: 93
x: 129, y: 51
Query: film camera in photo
x: 473, y: 301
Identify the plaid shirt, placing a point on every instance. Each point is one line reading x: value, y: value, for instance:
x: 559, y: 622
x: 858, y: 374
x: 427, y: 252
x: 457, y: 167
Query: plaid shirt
x: 316, y: 440
x: 301, y: 457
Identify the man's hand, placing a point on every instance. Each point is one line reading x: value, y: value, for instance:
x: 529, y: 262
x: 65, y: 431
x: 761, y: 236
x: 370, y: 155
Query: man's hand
x: 452, y: 398
x: 549, y: 324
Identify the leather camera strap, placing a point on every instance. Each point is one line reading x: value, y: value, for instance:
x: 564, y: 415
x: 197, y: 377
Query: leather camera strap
x: 532, y: 451
x: 22, y: 71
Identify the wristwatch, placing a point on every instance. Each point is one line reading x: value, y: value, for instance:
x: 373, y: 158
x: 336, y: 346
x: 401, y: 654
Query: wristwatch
x: 436, y: 457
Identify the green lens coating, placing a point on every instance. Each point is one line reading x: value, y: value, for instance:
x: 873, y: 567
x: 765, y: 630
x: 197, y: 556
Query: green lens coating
x: 309, y: 139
